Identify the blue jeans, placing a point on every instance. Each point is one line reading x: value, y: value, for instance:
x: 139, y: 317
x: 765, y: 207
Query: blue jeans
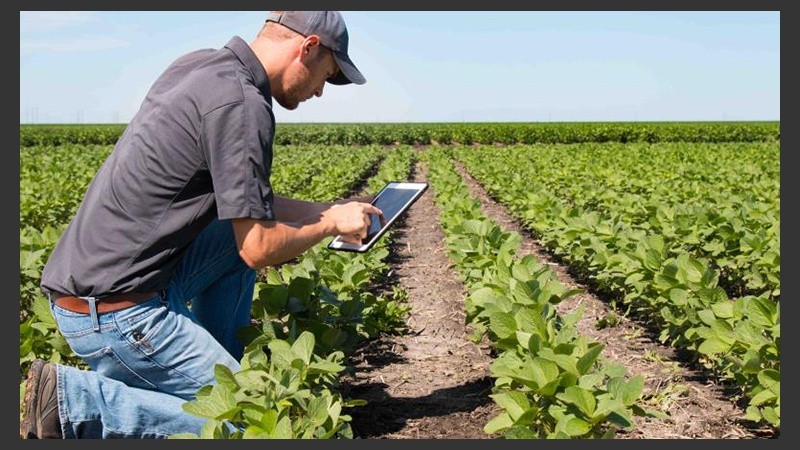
x: 147, y: 360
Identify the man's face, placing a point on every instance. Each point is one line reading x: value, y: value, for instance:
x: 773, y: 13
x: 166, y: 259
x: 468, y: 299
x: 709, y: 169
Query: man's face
x: 306, y: 77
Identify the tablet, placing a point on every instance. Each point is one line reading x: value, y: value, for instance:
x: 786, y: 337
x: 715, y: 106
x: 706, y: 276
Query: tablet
x: 394, y: 199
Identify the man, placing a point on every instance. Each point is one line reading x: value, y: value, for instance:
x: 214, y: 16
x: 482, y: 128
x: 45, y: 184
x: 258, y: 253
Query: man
x: 182, y: 212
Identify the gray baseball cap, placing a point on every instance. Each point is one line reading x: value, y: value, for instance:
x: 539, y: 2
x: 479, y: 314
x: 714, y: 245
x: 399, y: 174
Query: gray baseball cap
x: 332, y: 32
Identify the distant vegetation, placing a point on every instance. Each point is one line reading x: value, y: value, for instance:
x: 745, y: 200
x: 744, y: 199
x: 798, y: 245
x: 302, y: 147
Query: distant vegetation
x: 449, y: 133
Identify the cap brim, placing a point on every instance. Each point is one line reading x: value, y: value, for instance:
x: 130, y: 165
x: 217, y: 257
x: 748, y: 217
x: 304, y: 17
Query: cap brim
x: 347, y: 71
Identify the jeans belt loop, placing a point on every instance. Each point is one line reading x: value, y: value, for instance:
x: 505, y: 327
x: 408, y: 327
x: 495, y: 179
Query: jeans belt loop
x: 93, y: 311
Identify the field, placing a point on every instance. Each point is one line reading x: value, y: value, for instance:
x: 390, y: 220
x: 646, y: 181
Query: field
x: 567, y: 280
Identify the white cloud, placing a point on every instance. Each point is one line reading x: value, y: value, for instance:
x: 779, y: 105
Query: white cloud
x: 82, y: 44
x: 42, y: 21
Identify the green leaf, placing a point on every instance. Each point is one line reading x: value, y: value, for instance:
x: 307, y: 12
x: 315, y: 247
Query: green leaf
x: 215, y: 406
x: 356, y: 274
x: 713, y: 346
x: 567, y: 363
x: 706, y: 316
x: 723, y: 310
x: 753, y: 413
x: 632, y: 390
x: 255, y: 432
x: 523, y: 338
x: 483, y: 296
x: 225, y: 377
x: 520, y: 292
x: 325, y: 367
x: 772, y: 416
x: 762, y: 397
x: 614, y: 370
x: 514, y: 402
x: 770, y: 379
x: 620, y: 418
x: 283, y: 429
x: 588, y: 359
x: 605, y: 406
x: 303, y: 347
x: 584, y: 400
x: 210, y: 430
x: 301, y: 288
x: 249, y: 379
x: 273, y: 276
x: 534, y: 344
x: 498, y: 423
x: 695, y: 270
x: 503, y: 324
x: 678, y: 296
x: 652, y: 260
x: 542, y: 371
x: 254, y: 356
x: 41, y: 308
x: 656, y: 242
x: 317, y: 411
x: 521, y: 273
x: 573, y: 426
x: 281, y: 353
x: 724, y: 331
x: 274, y: 299
x: 521, y: 432
x: 762, y: 312
x: 334, y: 412
x: 269, y: 421
x: 528, y: 319
x: 355, y: 402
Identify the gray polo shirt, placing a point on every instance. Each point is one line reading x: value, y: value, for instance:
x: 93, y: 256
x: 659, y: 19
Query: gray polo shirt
x: 199, y: 148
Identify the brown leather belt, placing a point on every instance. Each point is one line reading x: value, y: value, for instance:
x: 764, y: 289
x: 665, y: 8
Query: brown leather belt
x: 104, y: 305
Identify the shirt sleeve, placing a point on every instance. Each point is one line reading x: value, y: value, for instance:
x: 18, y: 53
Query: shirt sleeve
x: 237, y: 141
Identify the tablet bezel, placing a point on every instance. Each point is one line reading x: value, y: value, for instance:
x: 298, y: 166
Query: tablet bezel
x: 418, y: 187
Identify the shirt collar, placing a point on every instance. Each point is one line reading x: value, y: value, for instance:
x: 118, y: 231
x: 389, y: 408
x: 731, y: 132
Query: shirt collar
x: 245, y: 54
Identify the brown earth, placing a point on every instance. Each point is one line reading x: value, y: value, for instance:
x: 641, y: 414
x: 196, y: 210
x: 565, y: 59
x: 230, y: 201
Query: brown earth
x: 433, y: 382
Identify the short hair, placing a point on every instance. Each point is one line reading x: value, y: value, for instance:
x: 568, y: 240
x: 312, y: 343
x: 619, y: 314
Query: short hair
x: 277, y: 32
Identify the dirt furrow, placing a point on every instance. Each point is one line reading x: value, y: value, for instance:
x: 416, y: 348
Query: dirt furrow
x: 432, y: 382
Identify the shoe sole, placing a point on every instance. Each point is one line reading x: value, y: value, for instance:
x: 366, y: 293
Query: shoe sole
x: 27, y: 427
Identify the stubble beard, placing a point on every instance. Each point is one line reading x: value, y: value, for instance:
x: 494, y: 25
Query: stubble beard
x: 288, y: 101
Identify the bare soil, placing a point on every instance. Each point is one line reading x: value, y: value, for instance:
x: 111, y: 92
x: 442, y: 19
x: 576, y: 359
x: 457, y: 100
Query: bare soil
x: 433, y: 382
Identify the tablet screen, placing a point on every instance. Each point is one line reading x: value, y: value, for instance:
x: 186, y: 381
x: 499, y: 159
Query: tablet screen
x: 394, y: 199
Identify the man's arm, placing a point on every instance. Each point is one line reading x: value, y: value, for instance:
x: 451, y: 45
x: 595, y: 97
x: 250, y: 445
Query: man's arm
x: 264, y: 243
x: 292, y: 210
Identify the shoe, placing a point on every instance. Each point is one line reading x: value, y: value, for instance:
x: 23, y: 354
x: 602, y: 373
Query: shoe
x: 40, y: 414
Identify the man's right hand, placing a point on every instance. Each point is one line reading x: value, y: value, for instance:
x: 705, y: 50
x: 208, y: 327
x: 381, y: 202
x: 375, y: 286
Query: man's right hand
x: 351, y: 220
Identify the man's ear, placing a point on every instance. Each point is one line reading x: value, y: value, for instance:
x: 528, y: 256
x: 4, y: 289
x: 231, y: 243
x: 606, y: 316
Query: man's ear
x: 308, y: 44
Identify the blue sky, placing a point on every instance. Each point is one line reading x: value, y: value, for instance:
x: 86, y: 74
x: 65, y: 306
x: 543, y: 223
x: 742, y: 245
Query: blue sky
x: 426, y: 66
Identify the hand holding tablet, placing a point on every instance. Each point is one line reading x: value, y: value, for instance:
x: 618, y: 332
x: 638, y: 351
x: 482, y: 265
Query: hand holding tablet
x: 394, y: 199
